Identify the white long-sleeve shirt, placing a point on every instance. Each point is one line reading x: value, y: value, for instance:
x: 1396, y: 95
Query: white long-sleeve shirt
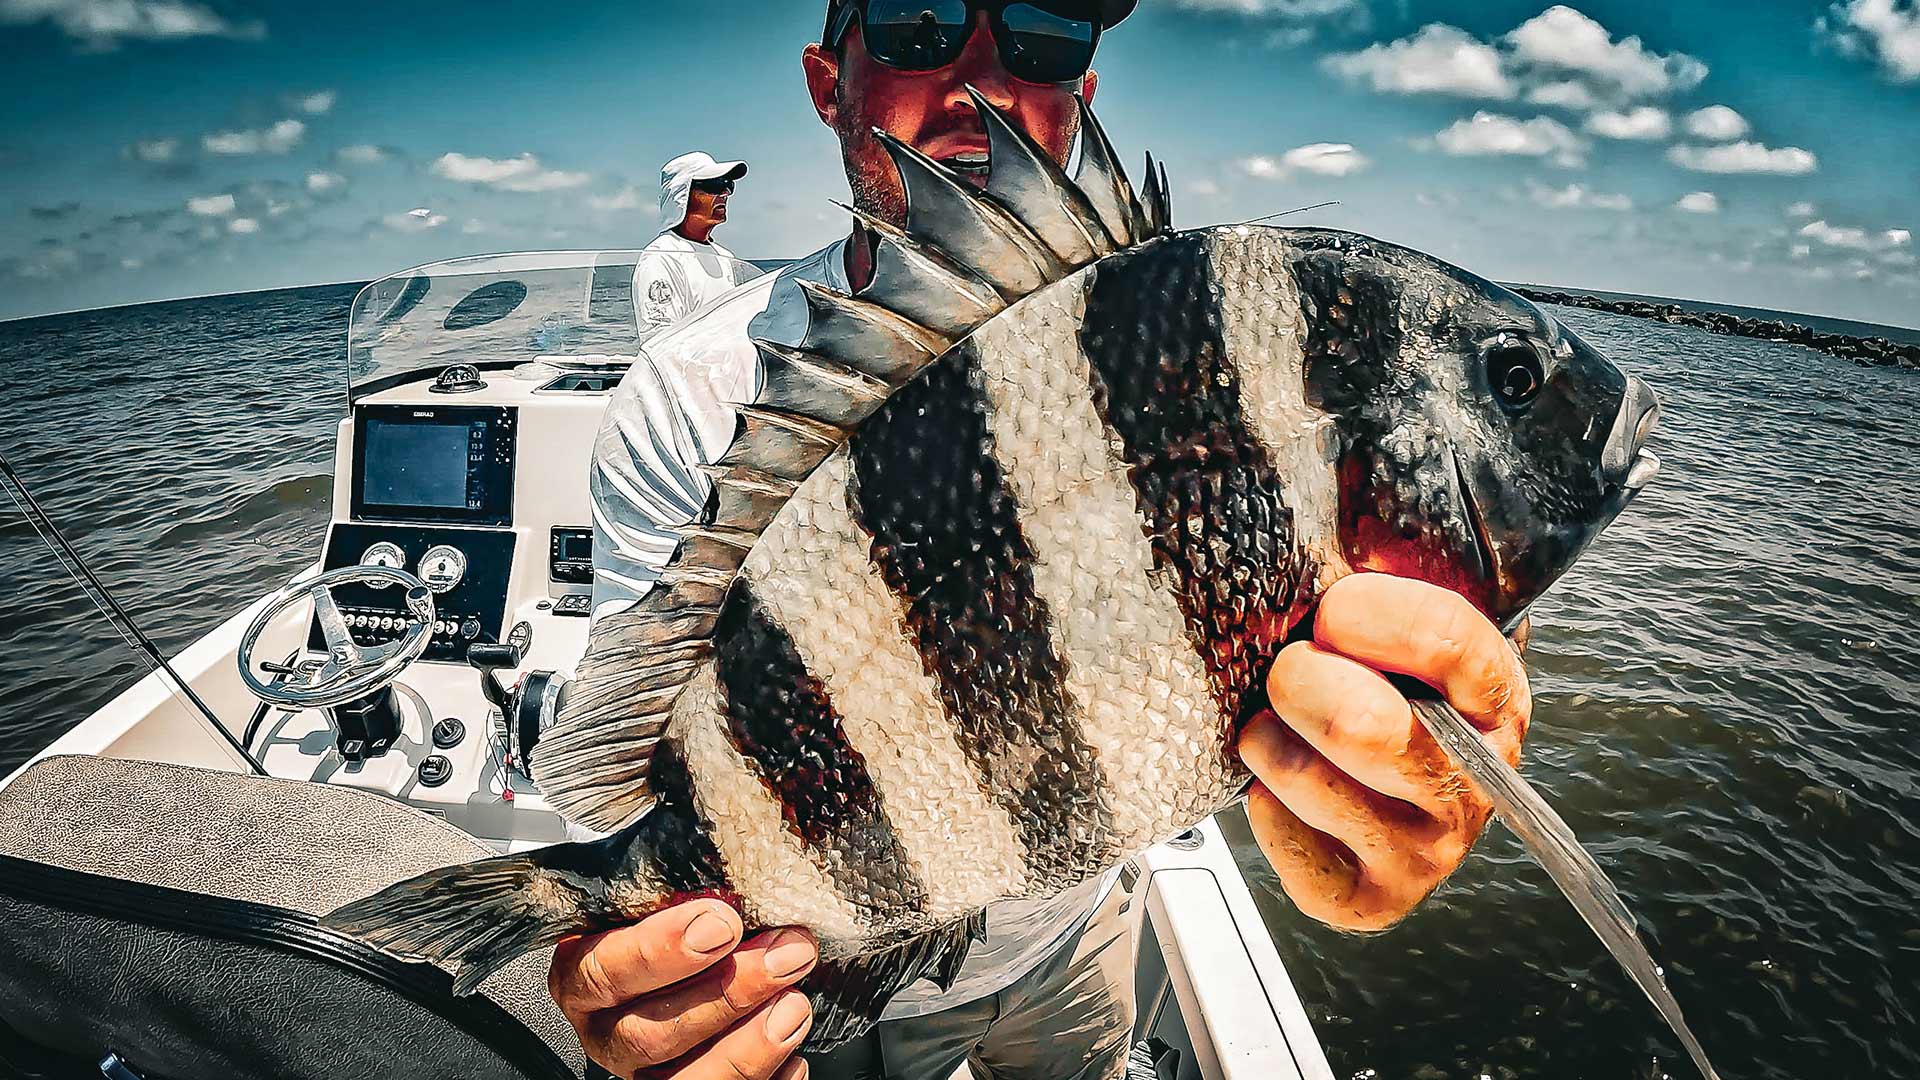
x: 674, y: 411
x: 675, y: 277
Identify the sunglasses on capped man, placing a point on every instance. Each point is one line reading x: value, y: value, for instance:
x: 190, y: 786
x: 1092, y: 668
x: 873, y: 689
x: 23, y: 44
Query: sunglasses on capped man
x: 719, y: 185
x: 1040, y: 41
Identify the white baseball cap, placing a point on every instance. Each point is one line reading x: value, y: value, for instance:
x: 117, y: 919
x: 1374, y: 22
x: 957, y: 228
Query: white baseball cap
x: 677, y: 177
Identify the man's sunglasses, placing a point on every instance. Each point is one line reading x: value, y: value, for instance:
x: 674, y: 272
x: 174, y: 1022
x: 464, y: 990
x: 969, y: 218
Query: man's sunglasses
x: 720, y: 186
x: 1039, y: 42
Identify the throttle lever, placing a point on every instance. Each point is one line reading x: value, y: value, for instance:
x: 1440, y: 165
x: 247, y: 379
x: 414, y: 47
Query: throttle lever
x: 489, y: 659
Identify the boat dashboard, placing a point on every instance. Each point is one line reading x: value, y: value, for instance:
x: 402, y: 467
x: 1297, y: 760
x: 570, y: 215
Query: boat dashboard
x: 475, y: 482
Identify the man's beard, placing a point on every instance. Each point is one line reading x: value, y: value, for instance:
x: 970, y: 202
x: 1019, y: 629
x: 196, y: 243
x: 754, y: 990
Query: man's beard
x: 875, y: 193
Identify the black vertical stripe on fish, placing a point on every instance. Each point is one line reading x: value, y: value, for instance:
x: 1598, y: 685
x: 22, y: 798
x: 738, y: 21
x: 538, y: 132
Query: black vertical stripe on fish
x: 781, y: 719
x: 1209, y: 495
x: 947, y: 539
x: 679, y: 839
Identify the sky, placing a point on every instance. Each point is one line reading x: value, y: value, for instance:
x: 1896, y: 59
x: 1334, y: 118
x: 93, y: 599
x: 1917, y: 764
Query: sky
x: 1759, y: 152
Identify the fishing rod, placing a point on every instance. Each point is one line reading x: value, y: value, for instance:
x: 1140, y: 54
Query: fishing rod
x: 1288, y: 213
x: 110, y: 608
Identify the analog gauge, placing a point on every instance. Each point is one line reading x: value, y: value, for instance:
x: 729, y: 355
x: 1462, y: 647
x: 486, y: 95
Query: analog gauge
x: 442, y: 567
x: 384, y: 554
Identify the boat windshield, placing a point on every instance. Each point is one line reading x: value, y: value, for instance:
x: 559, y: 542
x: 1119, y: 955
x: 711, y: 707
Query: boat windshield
x: 567, y: 309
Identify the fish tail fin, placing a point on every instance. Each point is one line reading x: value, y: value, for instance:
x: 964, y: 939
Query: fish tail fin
x: 475, y: 918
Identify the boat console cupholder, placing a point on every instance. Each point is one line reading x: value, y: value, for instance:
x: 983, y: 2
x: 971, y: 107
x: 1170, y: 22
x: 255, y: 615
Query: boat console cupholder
x: 1191, y: 840
x: 435, y: 770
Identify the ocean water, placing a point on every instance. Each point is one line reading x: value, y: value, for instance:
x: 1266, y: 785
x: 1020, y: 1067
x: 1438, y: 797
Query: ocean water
x: 1725, y: 685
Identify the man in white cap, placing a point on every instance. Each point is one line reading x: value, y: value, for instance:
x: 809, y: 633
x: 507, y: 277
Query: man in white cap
x: 683, y: 268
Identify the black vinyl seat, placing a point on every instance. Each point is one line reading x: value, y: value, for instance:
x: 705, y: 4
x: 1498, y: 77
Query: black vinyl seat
x: 168, y: 915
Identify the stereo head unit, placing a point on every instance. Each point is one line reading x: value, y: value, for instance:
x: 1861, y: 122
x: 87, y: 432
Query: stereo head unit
x: 444, y: 464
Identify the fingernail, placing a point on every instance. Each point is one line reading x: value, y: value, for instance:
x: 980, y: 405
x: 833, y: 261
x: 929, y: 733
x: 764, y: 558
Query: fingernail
x: 789, y: 953
x: 788, y: 1016
x: 708, y: 932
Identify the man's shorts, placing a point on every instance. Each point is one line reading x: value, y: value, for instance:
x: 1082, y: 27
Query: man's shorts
x: 1071, y: 1018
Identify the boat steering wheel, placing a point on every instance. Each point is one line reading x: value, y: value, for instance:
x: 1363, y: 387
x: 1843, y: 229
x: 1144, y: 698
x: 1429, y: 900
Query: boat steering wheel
x: 351, y: 670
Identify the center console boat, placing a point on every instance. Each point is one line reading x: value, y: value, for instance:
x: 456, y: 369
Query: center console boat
x: 163, y: 865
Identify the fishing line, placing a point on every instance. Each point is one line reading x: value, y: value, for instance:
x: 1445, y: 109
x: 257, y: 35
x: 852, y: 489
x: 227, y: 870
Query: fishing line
x: 116, y: 616
x: 1286, y: 213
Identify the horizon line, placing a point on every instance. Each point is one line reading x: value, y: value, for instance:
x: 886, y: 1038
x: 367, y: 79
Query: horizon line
x: 1502, y: 284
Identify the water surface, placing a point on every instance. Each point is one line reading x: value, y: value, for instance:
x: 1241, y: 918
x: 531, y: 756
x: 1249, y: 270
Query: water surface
x: 1725, y: 686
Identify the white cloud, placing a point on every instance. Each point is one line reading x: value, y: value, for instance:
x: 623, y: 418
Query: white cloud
x: 322, y: 182
x: 627, y: 198
x: 1562, y: 39
x: 211, y: 205
x: 1838, y: 237
x: 1745, y: 157
x: 243, y: 226
x: 1440, y: 59
x: 155, y: 151
x: 474, y: 227
x: 1854, y: 238
x: 418, y: 219
x: 361, y: 154
x: 1260, y: 167
x: 1801, y: 209
x: 1326, y: 159
x: 521, y: 173
x: 1644, y: 123
x: 1717, y: 123
x: 1559, y: 58
x: 1491, y: 133
x: 317, y: 103
x: 1203, y: 187
x: 1883, y: 29
x: 105, y: 23
x: 1292, y: 9
x: 1576, y: 197
x: 1699, y: 202
x: 277, y: 138
x: 1801, y: 251
x: 1567, y: 94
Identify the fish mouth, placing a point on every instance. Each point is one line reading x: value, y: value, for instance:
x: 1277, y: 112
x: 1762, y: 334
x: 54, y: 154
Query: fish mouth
x: 1482, y: 542
x: 1646, y: 466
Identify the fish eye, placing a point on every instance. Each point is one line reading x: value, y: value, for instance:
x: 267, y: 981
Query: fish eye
x: 1514, y: 372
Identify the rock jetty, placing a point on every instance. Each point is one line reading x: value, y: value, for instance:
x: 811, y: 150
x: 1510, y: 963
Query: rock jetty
x: 1861, y: 350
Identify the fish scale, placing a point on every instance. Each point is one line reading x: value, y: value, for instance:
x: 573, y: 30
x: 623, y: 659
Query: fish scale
x: 1017, y: 531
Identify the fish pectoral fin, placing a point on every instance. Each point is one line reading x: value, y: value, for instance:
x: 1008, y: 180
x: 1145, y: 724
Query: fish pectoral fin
x: 850, y: 994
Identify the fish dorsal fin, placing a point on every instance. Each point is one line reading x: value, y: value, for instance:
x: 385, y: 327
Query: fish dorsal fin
x: 965, y: 255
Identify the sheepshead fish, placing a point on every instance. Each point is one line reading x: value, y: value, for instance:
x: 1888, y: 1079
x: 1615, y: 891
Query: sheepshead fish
x: 1000, y: 556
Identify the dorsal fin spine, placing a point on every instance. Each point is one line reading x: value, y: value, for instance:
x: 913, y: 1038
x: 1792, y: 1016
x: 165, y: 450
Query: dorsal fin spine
x: 947, y: 212
x: 1032, y: 187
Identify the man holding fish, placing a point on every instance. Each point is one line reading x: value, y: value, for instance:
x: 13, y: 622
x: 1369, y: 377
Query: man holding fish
x: 1359, y: 812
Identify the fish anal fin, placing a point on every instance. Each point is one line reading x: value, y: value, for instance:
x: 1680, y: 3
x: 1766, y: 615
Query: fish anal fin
x: 850, y: 994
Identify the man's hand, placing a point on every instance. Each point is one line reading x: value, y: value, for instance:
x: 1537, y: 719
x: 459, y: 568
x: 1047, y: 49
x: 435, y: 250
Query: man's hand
x: 1359, y: 811
x: 672, y: 996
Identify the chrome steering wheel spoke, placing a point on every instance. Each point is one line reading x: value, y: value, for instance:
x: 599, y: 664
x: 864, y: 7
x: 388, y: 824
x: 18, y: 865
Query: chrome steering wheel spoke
x: 349, y: 670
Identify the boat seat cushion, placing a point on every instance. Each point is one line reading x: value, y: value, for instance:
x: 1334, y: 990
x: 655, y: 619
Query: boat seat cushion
x: 290, y: 849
